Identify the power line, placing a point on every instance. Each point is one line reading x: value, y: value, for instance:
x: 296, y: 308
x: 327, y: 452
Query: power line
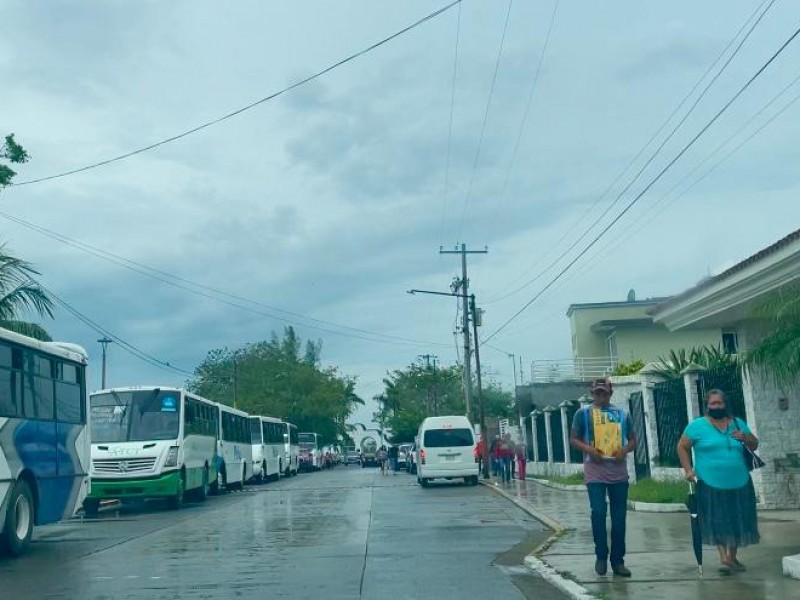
x: 652, y: 182
x: 250, y: 106
x: 485, y: 119
x: 189, y: 286
x: 127, y: 346
x: 680, y: 105
x: 450, y: 129
x: 521, y: 129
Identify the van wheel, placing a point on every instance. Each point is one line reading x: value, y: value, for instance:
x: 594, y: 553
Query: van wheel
x: 91, y: 507
x: 424, y: 482
x: 18, y: 527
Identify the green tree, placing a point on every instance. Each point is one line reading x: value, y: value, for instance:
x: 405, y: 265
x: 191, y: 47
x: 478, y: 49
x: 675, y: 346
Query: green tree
x: 19, y: 293
x: 778, y: 353
x: 11, y: 153
x: 710, y: 357
x: 281, y: 378
x: 415, y: 392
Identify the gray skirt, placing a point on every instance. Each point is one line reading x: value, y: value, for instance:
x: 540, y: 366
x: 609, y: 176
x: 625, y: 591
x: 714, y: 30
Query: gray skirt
x: 728, y: 517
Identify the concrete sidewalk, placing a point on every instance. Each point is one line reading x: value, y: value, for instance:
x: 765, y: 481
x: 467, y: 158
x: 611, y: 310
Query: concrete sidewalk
x: 659, y: 552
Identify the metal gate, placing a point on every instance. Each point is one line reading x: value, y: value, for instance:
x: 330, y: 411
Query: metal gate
x: 541, y: 438
x: 671, y: 419
x: 641, y: 456
x: 557, y: 433
x: 729, y: 380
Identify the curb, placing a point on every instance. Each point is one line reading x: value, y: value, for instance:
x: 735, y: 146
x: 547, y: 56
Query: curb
x: 657, y: 507
x: 571, y: 588
x: 578, y: 487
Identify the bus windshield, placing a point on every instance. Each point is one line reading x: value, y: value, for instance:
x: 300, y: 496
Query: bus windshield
x: 308, y: 440
x: 135, y: 416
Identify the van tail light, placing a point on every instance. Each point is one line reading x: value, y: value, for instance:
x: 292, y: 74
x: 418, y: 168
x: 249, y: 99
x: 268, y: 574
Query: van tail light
x: 422, y: 457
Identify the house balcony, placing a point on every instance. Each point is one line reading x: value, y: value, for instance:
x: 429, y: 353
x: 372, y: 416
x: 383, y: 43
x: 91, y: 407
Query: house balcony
x: 572, y: 369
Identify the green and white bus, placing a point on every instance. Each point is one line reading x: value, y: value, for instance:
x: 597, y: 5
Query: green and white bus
x: 151, y: 442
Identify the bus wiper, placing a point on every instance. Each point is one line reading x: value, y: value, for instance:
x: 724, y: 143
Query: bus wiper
x: 145, y: 406
x: 121, y: 405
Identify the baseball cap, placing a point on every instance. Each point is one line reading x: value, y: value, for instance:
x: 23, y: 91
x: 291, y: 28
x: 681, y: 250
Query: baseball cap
x: 601, y: 384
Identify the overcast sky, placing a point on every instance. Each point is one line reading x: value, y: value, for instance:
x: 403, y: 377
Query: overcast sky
x: 330, y: 200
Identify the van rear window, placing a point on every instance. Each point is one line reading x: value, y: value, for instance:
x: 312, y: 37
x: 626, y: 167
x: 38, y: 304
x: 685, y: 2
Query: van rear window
x: 445, y: 438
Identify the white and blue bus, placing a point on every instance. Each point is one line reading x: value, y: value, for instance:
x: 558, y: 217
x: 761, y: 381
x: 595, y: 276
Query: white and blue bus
x: 234, y: 449
x: 274, y: 448
x: 44, y: 441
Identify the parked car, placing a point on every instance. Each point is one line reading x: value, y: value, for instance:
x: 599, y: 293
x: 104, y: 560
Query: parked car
x: 352, y: 457
x: 446, y: 450
x: 402, y: 455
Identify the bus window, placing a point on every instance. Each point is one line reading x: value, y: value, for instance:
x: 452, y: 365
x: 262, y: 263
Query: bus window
x: 43, y: 397
x: 69, y: 408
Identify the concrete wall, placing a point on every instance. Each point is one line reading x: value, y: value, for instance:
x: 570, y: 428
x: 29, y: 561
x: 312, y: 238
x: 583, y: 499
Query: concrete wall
x: 777, y: 484
x: 645, y: 343
x: 649, y: 343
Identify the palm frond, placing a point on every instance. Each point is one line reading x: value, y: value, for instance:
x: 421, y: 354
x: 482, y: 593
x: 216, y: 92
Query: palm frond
x: 26, y: 296
x: 33, y: 330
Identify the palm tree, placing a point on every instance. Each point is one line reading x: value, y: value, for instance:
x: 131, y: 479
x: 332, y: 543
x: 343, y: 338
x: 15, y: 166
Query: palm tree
x: 778, y: 353
x: 19, y: 293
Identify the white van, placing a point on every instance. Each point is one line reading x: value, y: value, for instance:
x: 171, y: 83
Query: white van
x: 446, y: 450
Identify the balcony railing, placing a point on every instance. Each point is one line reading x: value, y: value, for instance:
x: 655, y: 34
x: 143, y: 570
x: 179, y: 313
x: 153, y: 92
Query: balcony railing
x: 572, y: 369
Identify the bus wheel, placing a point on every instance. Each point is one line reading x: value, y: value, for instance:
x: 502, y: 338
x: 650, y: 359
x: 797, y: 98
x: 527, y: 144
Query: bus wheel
x: 176, y: 501
x: 201, y: 493
x: 91, y: 507
x: 18, y: 526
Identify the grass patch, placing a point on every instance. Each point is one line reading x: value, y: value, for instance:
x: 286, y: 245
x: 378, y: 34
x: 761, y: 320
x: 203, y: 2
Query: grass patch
x: 649, y: 490
x: 574, y: 479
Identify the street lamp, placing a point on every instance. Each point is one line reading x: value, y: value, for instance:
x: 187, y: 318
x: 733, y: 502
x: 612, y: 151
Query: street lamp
x: 482, y: 414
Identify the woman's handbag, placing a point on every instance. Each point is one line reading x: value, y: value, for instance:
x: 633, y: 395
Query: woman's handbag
x: 751, y: 460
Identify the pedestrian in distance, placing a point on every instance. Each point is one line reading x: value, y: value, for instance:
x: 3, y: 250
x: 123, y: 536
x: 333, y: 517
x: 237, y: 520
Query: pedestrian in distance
x: 393, y: 454
x: 493, y: 456
x: 480, y: 448
x: 604, y: 434
x: 506, y: 456
x: 726, y: 498
x: 381, y: 456
x: 521, y: 455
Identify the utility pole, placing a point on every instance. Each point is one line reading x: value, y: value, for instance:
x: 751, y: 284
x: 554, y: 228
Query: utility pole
x: 461, y: 287
x: 430, y: 403
x: 105, y: 341
x: 481, y: 411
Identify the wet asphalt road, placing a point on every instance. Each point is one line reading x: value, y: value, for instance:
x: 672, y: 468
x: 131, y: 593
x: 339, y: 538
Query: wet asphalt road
x: 346, y: 533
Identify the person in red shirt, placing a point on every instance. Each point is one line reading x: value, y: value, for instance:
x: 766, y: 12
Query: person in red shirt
x: 505, y: 454
x: 520, y: 451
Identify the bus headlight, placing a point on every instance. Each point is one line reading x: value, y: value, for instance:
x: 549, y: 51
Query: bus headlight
x: 172, y: 457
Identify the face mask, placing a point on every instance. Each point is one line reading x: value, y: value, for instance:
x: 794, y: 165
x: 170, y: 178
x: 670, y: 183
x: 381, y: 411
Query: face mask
x: 717, y: 413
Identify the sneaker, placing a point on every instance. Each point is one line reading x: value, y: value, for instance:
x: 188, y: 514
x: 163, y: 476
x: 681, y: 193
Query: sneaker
x: 600, y: 567
x: 621, y: 570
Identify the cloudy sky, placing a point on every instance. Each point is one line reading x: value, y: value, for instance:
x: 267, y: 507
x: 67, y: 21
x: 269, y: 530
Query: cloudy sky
x: 332, y: 200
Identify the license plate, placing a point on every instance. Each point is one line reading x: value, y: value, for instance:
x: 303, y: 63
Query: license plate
x: 450, y: 457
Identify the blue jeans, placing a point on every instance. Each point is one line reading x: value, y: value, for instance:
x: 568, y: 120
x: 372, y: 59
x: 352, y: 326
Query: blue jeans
x: 618, y: 500
x: 505, y: 466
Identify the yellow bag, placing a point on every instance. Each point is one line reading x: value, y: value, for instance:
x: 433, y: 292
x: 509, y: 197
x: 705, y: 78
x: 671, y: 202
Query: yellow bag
x: 607, y: 430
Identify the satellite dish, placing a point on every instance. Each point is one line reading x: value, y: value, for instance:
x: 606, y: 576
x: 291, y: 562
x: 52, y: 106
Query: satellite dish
x: 632, y: 296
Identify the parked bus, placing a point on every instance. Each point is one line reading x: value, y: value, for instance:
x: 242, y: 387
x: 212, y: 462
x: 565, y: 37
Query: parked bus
x: 292, y: 449
x: 257, y: 443
x: 234, y: 449
x: 44, y: 443
x: 274, y: 448
x: 310, y: 453
x: 151, y: 442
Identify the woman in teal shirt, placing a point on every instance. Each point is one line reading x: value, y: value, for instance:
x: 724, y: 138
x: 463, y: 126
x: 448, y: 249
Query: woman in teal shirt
x: 725, y: 493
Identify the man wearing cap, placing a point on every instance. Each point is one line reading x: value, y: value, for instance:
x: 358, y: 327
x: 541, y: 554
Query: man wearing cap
x: 604, y: 434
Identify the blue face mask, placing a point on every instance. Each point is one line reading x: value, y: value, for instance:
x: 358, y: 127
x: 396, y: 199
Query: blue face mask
x: 717, y: 413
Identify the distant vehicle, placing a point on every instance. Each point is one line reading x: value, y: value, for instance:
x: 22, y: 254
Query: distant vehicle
x: 291, y: 444
x: 446, y: 450
x: 352, y: 457
x: 268, y: 447
x: 402, y: 455
x: 44, y: 441
x: 151, y: 442
x: 411, y: 460
x: 234, y: 449
x: 369, y: 450
x: 310, y: 452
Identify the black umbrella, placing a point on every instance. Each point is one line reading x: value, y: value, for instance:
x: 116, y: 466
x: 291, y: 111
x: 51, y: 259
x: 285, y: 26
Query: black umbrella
x: 697, y: 536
